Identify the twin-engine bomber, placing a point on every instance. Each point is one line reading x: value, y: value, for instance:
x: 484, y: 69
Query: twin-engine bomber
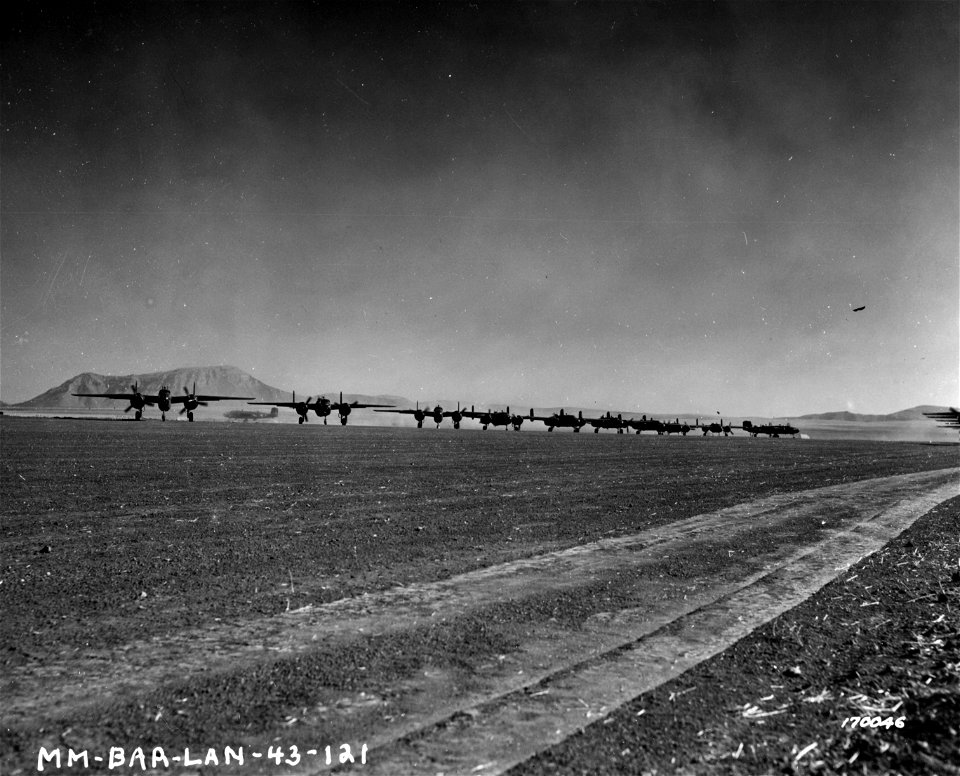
x: 322, y: 407
x: 771, y: 430
x: 163, y: 400
x: 495, y: 418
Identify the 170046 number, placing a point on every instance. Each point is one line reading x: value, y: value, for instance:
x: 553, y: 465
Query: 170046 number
x: 874, y: 722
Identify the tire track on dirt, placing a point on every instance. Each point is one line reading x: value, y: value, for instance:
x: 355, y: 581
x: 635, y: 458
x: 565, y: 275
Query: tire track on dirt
x: 857, y: 518
x: 498, y: 733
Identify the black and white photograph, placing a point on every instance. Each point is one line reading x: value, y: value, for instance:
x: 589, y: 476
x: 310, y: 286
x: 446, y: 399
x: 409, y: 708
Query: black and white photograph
x: 458, y: 387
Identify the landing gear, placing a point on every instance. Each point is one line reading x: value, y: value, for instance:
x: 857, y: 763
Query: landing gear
x: 576, y: 431
x: 139, y: 415
x: 190, y: 416
x: 456, y: 425
x: 484, y: 428
x: 301, y: 419
x: 549, y: 428
x: 419, y: 424
x: 596, y: 431
x: 343, y: 421
x: 163, y: 416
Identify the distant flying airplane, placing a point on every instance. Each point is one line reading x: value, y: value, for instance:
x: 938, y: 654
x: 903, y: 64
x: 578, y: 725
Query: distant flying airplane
x: 495, y: 418
x: 607, y: 421
x: 437, y: 414
x: 163, y: 400
x: 858, y: 309
x: 322, y: 407
x: 771, y: 430
x: 950, y: 417
x: 560, y: 420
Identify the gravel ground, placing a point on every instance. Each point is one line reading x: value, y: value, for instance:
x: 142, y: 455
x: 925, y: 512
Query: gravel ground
x: 118, y: 534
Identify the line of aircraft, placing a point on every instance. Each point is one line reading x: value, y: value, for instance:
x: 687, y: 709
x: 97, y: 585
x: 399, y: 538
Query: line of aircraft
x: 323, y: 407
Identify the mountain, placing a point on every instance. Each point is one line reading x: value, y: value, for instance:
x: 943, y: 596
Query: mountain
x: 219, y: 380
x: 914, y: 413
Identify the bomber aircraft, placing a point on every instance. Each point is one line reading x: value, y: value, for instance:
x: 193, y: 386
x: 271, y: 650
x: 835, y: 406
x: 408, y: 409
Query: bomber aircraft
x: 437, y: 414
x: 607, y: 421
x: 247, y: 415
x: 322, y: 407
x: 715, y: 428
x: 771, y: 430
x: 495, y: 418
x: 645, y: 424
x: 163, y: 400
x: 676, y: 427
x: 560, y: 420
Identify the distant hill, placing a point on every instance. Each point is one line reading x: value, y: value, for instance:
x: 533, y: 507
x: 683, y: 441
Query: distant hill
x: 914, y: 413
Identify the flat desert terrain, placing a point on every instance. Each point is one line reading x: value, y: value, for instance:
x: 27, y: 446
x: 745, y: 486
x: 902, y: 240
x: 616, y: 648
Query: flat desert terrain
x: 234, y: 598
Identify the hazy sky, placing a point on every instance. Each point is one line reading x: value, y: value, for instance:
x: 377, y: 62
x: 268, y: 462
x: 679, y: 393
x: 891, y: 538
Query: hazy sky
x: 653, y: 206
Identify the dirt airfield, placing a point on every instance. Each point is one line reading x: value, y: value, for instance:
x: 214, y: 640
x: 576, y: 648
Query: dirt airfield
x: 436, y: 601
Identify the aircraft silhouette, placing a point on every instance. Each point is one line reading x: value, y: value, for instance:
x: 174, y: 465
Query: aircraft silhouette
x: 607, y: 421
x: 645, y: 424
x: 676, y: 427
x: 495, y: 418
x: 560, y: 420
x: 437, y: 414
x: 322, y: 407
x: 660, y: 426
x: 771, y: 430
x: 715, y: 428
x: 247, y: 415
x: 163, y: 400
x: 950, y: 417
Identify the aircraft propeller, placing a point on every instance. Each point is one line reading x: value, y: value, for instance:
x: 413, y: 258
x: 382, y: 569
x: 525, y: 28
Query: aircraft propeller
x: 135, y: 390
x: 192, y: 398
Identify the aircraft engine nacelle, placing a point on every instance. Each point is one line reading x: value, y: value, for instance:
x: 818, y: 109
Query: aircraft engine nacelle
x: 747, y: 425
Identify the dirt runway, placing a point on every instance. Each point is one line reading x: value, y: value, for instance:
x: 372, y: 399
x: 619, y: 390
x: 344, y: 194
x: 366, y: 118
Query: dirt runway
x: 480, y: 632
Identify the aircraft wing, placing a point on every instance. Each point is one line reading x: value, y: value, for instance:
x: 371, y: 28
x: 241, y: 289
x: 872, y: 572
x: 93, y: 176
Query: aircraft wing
x: 355, y: 405
x: 273, y: 403
x: 951, y: 416
x: 125, y: 396
x: 399, y: 412
x: 474, y: 415
x: 207, y: 397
